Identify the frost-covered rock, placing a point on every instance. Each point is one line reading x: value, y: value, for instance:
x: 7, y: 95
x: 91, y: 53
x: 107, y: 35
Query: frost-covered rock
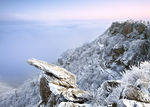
x: 134, y: 85
x: 71, y: 104
x: 45, y: 93
x: 58, y: 84
x: 135, y: 93
x: 131, y: 103
x: 129, y: 45
x: 55, y: 74
x: 109, y: 92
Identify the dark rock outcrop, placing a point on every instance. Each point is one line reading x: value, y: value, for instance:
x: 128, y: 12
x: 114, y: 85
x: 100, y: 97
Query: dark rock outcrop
x: 127, y: 44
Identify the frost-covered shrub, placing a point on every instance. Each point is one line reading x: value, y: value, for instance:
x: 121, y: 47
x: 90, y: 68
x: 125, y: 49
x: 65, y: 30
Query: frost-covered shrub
x: 26, y: 95
x: 84, y: 63
x: 142, y: 72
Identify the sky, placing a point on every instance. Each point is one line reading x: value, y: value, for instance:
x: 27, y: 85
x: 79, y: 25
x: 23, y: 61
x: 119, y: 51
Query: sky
x: 52, y: 10
x: 43, y: 29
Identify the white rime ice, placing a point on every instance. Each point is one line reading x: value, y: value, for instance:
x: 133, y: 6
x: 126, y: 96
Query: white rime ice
x: 26, y: 95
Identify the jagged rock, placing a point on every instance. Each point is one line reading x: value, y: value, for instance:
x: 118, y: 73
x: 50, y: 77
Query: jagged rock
x: 107, y: 90
x: 47, y: 97
x: 144, y: 85
x: 134, y: 93
x: 141, y: 28
x: 131, y: 103
x: 147, y: 33
x: 58, y: 82
x: 75, y: 95
x: 110, y: 84
x: 71, y: 104
x: 127, y: 28
x: 123, y: 28
x: 55, y: 72
x: 112, y: 91
x: 118, y: 50
x: 44, y: 90
x: 114, y: 29
x: 129, y: 46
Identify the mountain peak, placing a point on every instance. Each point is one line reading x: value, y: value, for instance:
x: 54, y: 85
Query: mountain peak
x: 126, y: 44
x: 128, y: 27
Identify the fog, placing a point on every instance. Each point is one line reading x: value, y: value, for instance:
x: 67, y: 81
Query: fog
x: 20, y: 41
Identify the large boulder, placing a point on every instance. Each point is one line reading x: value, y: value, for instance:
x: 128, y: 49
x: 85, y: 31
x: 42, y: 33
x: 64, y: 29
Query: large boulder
x: 141, y: 28
x: 58, y: 85
x: 55, y: 72
x: 122, y: 28
x: 135, y: 93
x: 127, y: 28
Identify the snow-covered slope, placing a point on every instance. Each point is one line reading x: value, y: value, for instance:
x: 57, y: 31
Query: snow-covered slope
x: 84, y: 63
x: 121, y: 46
x: 26, y: 95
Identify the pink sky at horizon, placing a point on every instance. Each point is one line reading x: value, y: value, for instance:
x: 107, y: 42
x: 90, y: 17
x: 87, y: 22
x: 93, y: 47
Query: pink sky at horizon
x: 90, y: 11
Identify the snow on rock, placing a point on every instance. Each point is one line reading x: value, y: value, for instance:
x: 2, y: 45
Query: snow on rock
x: 135, y: 93
x: 126, y: 44
x: 71, y: 104
x: 132, y: 86
x: 58, y: 73
x: 58, y: 84
x: 131, y: 103
x: 109, y: 92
